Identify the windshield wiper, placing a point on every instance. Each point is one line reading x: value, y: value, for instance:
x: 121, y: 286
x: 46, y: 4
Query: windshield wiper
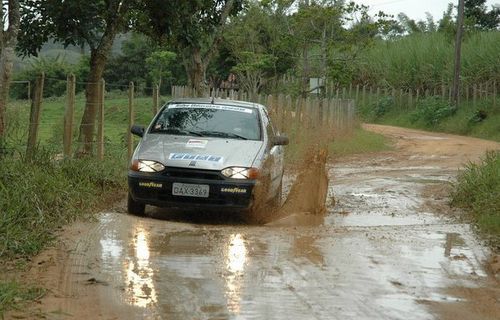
x: 223, y: 134
x: 178, y: 131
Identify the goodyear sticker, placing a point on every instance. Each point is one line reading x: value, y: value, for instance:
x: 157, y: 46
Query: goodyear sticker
x: 196, y: 143
x: 150, y: 184
x: 195, y: 157
x: 210, y: 106
x: 233, y: 190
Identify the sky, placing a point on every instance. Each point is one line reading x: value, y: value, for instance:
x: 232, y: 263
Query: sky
x: 415, y: 9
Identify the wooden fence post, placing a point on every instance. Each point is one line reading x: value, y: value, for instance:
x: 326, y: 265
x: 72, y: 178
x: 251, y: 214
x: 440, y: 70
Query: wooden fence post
x: 36, y: 109
x: 100, y: 120
x: 69, y: 115
x: 363, y: 100
x: 130, y: 140
x: 156, y: 98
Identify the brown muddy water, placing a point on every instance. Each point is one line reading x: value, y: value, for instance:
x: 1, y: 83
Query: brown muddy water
x: 388, y: 249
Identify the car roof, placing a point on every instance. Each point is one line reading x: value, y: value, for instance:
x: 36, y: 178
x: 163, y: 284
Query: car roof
x: 218, y: 101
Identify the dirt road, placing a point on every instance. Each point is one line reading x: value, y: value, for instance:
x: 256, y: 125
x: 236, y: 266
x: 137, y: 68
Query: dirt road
x: 389, y: 249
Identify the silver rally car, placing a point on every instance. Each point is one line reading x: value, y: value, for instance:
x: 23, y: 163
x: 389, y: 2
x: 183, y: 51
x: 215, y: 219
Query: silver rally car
x: 206, y: 153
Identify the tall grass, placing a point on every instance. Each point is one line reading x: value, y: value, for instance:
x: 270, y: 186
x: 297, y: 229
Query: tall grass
x: 426, y: 60
x: 478, y: 190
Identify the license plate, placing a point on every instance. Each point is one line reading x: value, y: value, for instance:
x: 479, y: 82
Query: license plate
x: 190, y: 190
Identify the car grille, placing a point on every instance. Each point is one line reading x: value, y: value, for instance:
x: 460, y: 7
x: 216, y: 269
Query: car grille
x: 193, y: 174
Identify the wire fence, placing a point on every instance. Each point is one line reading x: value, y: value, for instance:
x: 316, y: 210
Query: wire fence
x: 56, y: 123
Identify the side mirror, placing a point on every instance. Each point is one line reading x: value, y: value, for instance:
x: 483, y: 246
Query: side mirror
x: 280, y: 140
x: 137, y: 130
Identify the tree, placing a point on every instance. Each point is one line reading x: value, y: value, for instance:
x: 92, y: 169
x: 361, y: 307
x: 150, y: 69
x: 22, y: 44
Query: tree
x: 251, y: 69
x: 8, y: 42
x: 478, y: 17
x: 130, y: 64
x: 193, y: 27
x: 77, y: 22
x: 262, y: 30
x: 158, y: 64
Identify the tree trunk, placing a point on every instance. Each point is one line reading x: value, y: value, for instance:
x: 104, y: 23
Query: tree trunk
x: 98, y: 58
x: 87, y: 126
x: 196, y: 70
x: 8, y: 43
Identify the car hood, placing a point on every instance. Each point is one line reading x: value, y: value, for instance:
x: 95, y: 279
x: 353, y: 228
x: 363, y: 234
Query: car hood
x: 198, y: 152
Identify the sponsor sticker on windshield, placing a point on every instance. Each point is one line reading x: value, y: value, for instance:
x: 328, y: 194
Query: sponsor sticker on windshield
x: 210, y: 106
x: 196, y: 143
x: 195, y: 157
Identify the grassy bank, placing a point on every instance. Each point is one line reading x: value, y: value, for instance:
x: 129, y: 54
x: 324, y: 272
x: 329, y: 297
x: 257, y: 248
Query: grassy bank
x: 478, y: 191
x: 434, y: 114
x: 359, y: 141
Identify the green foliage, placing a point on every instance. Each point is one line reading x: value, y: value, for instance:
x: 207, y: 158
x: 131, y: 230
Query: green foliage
x: 55, y: 69
x: 478, y: 190
x: 159, y: 63
x: 432, y: 110
x: 381, y: 107
x: 75, y: 22
x: 377, y: 109
x: 479, y: 115
x: 251, y: 69
x: 130, y: 65
x: 422, y: 61
x: 477, y: 15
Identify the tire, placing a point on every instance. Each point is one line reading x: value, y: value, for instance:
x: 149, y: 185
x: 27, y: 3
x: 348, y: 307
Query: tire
x: 135, y: 207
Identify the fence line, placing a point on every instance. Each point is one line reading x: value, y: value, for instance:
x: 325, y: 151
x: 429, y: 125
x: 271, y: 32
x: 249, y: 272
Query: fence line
x: 337, y: 113
x: 311, y: 112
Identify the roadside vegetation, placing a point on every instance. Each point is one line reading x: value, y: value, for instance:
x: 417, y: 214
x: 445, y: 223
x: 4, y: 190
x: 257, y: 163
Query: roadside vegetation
x: 359, y: 141
x: 435, y: 114
x: 478, y: 191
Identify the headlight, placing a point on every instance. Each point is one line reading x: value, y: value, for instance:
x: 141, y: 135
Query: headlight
x: 240, y: 173
x: 147, y: 166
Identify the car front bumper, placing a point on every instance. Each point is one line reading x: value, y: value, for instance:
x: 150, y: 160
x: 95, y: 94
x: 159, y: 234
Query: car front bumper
x: 156, y: 189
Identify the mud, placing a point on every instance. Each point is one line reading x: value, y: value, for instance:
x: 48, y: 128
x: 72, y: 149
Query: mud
x: 304, y: 195
x: 309, y: 191
x: 389, y: 249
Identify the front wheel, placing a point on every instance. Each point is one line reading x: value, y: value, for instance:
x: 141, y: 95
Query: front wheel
x: 135, y: 207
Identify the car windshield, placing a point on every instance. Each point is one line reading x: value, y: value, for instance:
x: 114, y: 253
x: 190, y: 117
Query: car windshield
x: 208, y: 120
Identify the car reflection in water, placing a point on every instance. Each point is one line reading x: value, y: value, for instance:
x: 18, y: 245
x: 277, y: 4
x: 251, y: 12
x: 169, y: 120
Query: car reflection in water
x: 139, y: 274
x: 235, y: 265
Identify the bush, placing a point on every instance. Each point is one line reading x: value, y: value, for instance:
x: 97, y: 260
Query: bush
x: 377, y: 109
x: 432, y: 110
x: 478, y: 190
